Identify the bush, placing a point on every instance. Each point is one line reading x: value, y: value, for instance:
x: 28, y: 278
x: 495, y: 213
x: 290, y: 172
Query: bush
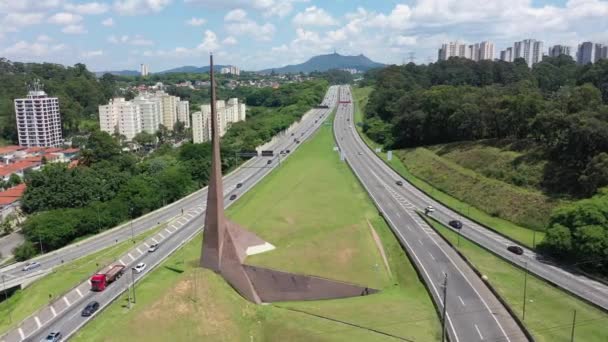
x: 25, y: 251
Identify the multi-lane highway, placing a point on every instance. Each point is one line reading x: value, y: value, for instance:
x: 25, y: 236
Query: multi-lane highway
x: 473, y: 312
x: 580, y: 285
x: 65, y: 314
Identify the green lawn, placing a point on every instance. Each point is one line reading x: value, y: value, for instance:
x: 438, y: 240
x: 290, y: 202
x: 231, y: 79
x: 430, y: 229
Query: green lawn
x: 549, y: 311
x: 525, y: 236
x: 315, y: 212
x: 25, y: 302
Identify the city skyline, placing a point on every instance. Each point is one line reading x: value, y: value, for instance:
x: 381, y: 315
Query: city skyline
x: 123, y: 34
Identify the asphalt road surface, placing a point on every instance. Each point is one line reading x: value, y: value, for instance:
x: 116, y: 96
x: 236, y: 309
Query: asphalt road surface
x: 64, y: 315
x: 473, y: 312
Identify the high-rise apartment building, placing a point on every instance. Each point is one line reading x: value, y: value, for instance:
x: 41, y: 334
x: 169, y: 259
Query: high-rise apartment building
x: 38, y: 119
x: 451, y: 49
x: 143, y: 70
x: 485, y: 51
x: 120, y: 116
x: 529, y: 49
x: 585, y: 53
x: 183, y: 112
x: 150, y: 112
x: 227, y: 113
x: 476, y: 52
x: 558, y: 50
x: 598, y: 52
x: 169, y: 109
x: 230, y: 69
x: 506, y: 55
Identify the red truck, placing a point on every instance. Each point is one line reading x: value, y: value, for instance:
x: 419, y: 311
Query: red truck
x: 99, y: 281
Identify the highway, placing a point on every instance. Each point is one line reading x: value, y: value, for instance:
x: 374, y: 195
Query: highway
x: 64, y: 314
x: 473, y: 312
x: 577, y: 284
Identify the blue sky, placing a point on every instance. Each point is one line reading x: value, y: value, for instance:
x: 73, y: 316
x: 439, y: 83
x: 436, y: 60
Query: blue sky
x: 257, y: 34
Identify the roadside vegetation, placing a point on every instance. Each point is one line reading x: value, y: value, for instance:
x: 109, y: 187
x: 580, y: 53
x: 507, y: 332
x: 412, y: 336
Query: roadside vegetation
x: 318, y: 216
x: 549, y: 310
x: 504, y: 142
x: 25, y: 302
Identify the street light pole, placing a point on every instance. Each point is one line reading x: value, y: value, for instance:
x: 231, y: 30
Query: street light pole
x: 525, y: 289
x: 445, y: 305
x: 132, y: 234
x: 133, y: 284
x: 573, y: 324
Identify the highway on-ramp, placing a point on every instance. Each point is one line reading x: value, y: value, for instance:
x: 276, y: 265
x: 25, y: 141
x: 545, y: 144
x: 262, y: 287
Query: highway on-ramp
x: 473, y: 312
x: 64, y: 314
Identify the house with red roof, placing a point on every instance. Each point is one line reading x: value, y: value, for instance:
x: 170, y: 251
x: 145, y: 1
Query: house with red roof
x: 10, y: 200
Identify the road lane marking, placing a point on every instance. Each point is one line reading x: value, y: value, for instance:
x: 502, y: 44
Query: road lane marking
x: 139, y: 250
x: 53, y: 311
x: 155, y: 241
x: 21, y: 334
x: 37, y: 321
x: 432, y: 257
x: 167, y: 230
x: 461, y: 301
x: 146, y: 244
x: 67, y: 302
x: 161, y: 235
x: 421, y: 244
x: 131, y: 256
x: 479, y: 332
x: 122, y: 263
x: 79, y: 293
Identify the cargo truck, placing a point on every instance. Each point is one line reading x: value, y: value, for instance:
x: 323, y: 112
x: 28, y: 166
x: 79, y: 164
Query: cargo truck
x: 100, y: 281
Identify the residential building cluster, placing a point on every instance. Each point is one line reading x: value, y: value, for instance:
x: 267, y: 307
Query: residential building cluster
x: 531, y: 50
x: 476, y: 52
x: 227, y: 113
x: 38, y: 119
x: 589, y: 52
x: 230, y: 69
x: 352, y: 71
x: 145, y: 113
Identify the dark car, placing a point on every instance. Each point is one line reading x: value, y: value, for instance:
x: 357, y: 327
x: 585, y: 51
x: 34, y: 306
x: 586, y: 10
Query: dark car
x: 516, y: 249
x: 455, y: 224
x: 400, y: 183
x: 268, y: 162
x: 53, y: 336
x: 292, y: 134
x: 239, y: 185
x: 232, y: 197
x: 297, y: 141
x: 287, y: 151
x: 90, y: 309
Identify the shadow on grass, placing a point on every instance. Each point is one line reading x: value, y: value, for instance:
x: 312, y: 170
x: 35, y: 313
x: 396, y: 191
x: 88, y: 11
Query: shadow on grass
x: 174, y: 269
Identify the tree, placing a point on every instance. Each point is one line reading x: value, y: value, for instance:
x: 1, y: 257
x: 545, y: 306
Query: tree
x: 595, y: 174
x: 144, y: 138
x: 25, y: 251
x: 13, y: 180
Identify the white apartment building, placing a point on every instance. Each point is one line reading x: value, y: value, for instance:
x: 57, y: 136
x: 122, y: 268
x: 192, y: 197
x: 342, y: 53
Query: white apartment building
x: 150, y: 112
x: 485, y: 51
x: 38, y: 119
x: 144, y: 70
x: 476, y: 52
x: 183, y: 112
x: 230, y: 69
x: 529, y: 49
x: 169, y: 109
x: 227, y: 113
x: 120, y: 116
x: 507, y: 55
x: 557, y: 50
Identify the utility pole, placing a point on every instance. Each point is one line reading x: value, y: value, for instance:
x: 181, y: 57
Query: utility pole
x: 133, y: 283
x: 533, y: 239
x: 10, y: 316
x: 573, y: 324
x: 132, y: 233
x: 523, y: 318
x: 129, y: 292
x: 459, y: 237
x: 445, y: 305
x: 40, y: 242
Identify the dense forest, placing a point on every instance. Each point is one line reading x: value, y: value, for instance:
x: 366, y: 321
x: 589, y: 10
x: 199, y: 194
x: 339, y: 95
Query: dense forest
x: 110, y: 186
x: 79, y: 92
x: 558, y: 107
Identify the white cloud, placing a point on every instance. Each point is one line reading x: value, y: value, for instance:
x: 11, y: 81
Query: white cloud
x: 230, y: 40
x: 137, y: 7
x: 196, y: 22
x: 108, y: 22
x: 235, y: 15
x: 314, y: 16
x: 136, y: 40
x: 65, y: 18
x: 44, y: 38
x: 89, y: 54
x: 401, y: 40
x: 74, y: 29
x: 268, y: 8
x: 87, y: 8
x: 25, y: 50
x: 209, y: 43
x: 14, y: 21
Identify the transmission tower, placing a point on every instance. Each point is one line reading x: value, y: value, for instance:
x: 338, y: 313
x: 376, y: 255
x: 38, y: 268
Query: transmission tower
x: 412, y: 57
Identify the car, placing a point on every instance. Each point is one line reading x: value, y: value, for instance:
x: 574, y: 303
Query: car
x: 153, y: 247
x: 90, y: 309
x: 360, y: 153
x: 292, y: 134
x: 31, y: 265
x: 53, y: 336
x: 232, y: 197
x: 455, y: 224
x: 139, y: 267
x: 297, y: 141
x: 429, y: 209
x: 269, y: 162
x: 516, y: 250
x: 238, y: 185
x: 287, y: 151
x: 400, y: 183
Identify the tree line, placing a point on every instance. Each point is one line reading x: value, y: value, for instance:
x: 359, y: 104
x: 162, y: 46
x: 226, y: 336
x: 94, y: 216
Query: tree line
x: 558, y: 108
x: 110, y: 186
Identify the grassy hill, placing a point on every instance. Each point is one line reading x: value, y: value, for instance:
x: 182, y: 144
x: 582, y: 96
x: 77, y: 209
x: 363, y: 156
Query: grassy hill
x: 319, y: 218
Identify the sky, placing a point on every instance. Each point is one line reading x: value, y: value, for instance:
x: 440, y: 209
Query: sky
x: 258, y: 34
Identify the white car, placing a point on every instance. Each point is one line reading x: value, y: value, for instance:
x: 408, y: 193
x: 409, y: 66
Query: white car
x: 153, y: 248
x: 429, y: 209
x: 31, y: 265
x: 139, y: 267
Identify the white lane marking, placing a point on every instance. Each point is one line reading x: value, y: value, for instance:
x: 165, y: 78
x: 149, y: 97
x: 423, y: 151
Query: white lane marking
x: 67, y: 302
x: 37, y: 321
x: 146, y: 244
x: 21, y: 334
x: 122, y: 263
x: 161, y: 235
x: 167, y: 230
x: 53, y: 311
x: 479, y: 332
x: 79, y: 293
x: 432, y: 257
x: 155, y: 241
x: 190, y: 215
x: 408, y: 227
x: 139, y: 250
x: 420, y: 241
x: 461, y: 301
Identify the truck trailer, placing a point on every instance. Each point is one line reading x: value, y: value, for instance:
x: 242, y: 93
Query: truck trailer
x: 100, y: 281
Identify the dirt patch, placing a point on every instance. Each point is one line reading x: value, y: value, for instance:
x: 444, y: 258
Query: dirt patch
x: 380, y: 247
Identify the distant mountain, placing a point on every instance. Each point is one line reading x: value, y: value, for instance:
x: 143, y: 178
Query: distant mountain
x: 192, y: 69
x: 117, y: 73
x: 328, y: 62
